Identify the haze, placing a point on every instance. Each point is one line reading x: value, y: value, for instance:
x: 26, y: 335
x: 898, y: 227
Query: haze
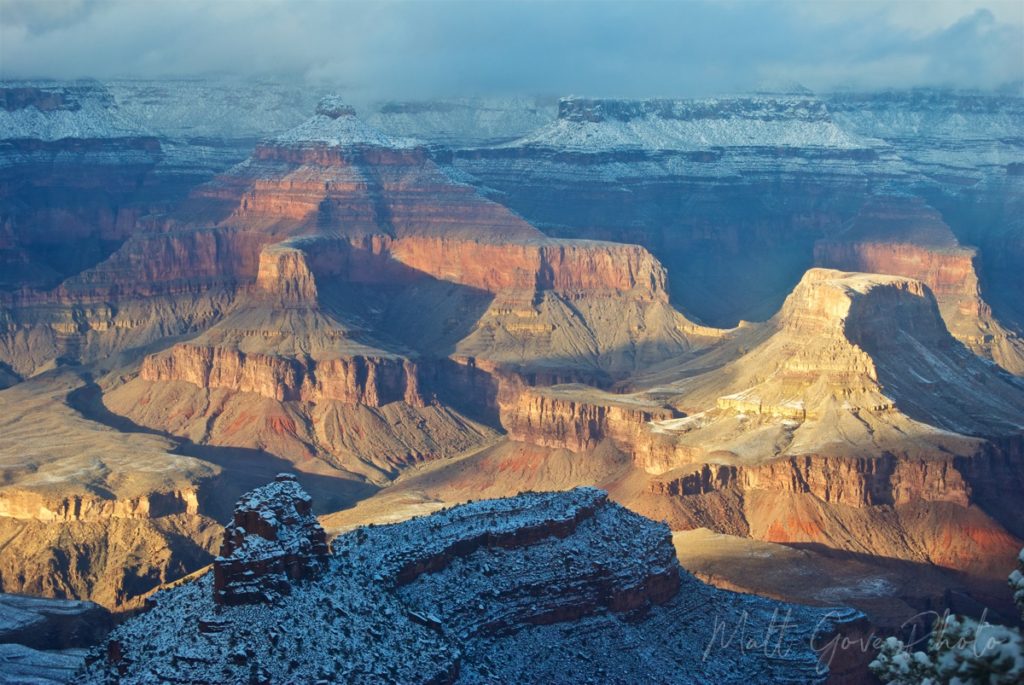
x: 427, y: 49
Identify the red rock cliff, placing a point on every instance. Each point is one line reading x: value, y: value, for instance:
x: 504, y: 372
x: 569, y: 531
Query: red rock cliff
x: 371, y: 381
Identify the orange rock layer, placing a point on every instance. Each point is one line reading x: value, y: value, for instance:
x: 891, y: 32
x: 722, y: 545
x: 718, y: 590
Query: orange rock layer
x: 853, y: 482
x: 567, y: 422
x: 370, y: 381
x: 35, y: 506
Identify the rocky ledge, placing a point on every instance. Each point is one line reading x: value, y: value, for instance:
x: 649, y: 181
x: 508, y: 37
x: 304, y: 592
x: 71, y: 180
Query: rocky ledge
x: 43, y: 641
x: 541, y: 587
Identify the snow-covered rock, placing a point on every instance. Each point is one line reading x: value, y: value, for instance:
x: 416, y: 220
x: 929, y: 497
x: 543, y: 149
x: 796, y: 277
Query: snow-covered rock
x: 45, y: 110
x: 335, y: 124
x: 542, y: 587
x: 609, y: 125
x: 464, y: 122
x: 44, y: 641
x: 274, y: 540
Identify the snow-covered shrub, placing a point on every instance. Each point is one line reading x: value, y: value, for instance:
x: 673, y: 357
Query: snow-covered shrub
x: 961, y: 651
x: 1017, y: 584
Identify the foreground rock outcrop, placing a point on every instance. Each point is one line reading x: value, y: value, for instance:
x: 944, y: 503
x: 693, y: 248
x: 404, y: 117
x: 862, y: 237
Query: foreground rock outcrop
x: 44, y: 641
x: 540, y: 587
x: 273, y: 541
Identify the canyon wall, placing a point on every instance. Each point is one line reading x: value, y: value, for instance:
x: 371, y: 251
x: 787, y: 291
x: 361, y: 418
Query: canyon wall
x: 370, y: 381
x: 30, y: 505
x: 568, y: 420
x: 851, y: 482
x: 906, y: 237
x: 572, y: 268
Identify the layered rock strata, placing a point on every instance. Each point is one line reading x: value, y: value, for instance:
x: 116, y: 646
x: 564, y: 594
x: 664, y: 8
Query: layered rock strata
x: 364, y: 267
x: 846, y: 351
x: 576, y: 417
x: 379, y: 211
x: 88, y: 512
x: 732, y: 193
x: 854, y: 409
x: 486, y: 591
x: 364, y: 380
x: 906, y: 237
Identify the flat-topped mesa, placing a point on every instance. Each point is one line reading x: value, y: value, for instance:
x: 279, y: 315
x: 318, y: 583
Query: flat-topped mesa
x: 765, y: 108
x: 671, y: 127
x: 571, y: 268
x: 273, y: 541
x: 828, y: 301
x: 833, y: 312
x: 818, y: 357
x: 834, y: 330
x: 284, y: 272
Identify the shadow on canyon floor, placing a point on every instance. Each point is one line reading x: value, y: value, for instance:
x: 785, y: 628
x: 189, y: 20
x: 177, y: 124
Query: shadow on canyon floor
x: 929, y: 588
x: 242, y: 468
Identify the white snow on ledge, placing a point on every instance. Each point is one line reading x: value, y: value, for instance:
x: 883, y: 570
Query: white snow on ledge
x: 651, y: 133
x: 93, y: 120
x: 690, y: 125
x: 343, y: 131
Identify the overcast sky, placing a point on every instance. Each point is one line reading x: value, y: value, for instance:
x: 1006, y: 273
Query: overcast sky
x: 449, y: 47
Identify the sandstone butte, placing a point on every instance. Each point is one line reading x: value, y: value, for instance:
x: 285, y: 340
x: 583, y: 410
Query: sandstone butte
x: 906, y: 237
x: 853, y: 410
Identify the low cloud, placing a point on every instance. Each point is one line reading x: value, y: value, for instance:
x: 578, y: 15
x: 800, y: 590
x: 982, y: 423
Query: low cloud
x: 452, y: 47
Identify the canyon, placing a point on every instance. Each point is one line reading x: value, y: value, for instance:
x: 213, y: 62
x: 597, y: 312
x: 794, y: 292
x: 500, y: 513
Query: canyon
x: 783, y: 323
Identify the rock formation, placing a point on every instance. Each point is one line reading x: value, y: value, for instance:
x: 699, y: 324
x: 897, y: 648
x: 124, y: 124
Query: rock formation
x: 577, y: 417
x: 346, y: 249
x: 905, y: 237
x: 44, y: 641
x: 853, y: 405
x: 347, y: 303
x: 730, y: 194
x: 50, y: 624
x: 495, y: 590
x: 90, y: 512
x: 273, y: 541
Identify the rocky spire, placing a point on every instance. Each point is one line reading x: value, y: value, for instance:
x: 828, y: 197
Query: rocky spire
x: 273, y: 541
